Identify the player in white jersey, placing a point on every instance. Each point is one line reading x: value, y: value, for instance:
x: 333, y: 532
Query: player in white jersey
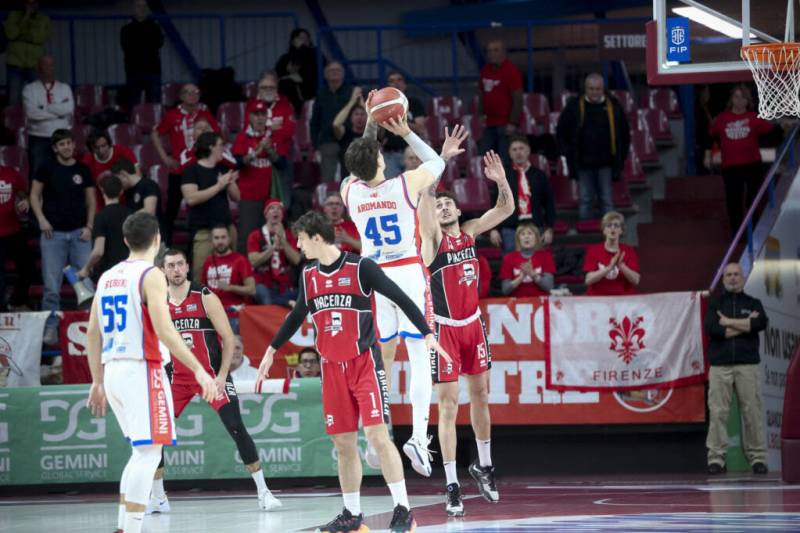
x: 385, y: 213
x: 129, y: 317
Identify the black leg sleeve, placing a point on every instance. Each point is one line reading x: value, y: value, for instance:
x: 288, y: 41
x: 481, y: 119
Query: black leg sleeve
x: 232, y: 420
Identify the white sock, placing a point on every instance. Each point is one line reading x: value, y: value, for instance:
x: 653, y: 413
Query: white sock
x: 133, y: 522
x: 450, y: 472
x: 158, y: 489
x: 258, y: 477
x: 484, y: 452
x: 420, y: 387
x: 121, y: 516
x: 352, y: 502
x: 399, y: 494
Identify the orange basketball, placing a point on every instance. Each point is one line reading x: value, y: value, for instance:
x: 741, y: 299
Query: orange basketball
x: 387, y: 103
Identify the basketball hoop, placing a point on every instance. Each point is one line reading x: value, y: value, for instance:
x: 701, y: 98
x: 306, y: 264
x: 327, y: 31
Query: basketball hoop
x: 776, y: 71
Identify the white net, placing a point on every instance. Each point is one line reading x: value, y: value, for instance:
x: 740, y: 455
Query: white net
x: 776, y: 71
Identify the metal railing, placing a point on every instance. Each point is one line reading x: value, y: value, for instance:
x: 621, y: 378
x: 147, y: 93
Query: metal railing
x: 785, y: 168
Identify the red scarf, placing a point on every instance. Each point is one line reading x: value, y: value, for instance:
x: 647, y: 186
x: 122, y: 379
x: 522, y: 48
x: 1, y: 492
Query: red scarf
x: 524, y: 196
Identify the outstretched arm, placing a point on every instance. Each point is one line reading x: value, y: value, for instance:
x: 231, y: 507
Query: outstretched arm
x: 430, y: 172
x: 493, y: 168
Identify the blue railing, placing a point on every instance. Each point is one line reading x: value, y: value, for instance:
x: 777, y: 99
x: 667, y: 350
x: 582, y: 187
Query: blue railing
x: 775, y: 187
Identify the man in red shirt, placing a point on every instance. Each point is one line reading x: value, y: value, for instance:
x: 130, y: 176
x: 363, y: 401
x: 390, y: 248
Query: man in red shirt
x: 500, y: 104
x: 101, y: 157
x: 272, y: 250
x: 256, y: 150
x: 612, y: 268
x: 228, y: 274
x: 14, y: 239
x: 347, y: 237
x: 178, y: 124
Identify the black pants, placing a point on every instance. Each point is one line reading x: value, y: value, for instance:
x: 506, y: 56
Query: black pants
x: 15, y: 247
x: 40, y: 152
x: 174, y: 198
x: 741, y: 186
x: 149, y: 84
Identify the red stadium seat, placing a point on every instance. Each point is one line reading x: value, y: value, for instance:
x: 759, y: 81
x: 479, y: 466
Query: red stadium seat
x: 621, y: 195
x: 553, y: 124
x: 147, y: 155
x: 560, y: 227
x: 657, y: 123
x: 13, y: 118
x: 450, y: 174
x: 536, y: 104
x: 81, y: 132
x: 475, y: 127
x: 322, y: 191
x: 146, y: 116
x: 160, y: 174
x: 126, y: 134
x: 562, y: 99
x: 297, y: 152
x: 434, y: 126
x: 473, y: 105
x: 541, y: 162
x: 231, y: 117
x: 565, y: 190
x: 302, y: 135
x: 250, y: 89
x: 306, y: 175
x: 633, y: 172
x: 626, y: 99
x: 308, y: 107
x: 16, y: 157
x: 21, y: 137
x: 447, y: 108
x: 472, y: 195
x: 529, y: 125
x: 645, y: 146
x: 90, y: 98
x: 591, y: 225
x: 663, y: 98
x: 475, y: 170
x: 171, y: 94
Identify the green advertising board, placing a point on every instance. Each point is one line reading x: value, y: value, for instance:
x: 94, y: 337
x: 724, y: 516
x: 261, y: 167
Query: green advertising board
x: 47, y: 435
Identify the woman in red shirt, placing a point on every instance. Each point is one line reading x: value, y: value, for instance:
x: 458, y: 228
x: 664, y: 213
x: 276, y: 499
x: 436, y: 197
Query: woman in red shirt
x: 612, y: 268
x: 738, y: 129
x: 527, y: 271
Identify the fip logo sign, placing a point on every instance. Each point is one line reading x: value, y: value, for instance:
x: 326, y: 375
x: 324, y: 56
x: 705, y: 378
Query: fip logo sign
x: 678, y: 39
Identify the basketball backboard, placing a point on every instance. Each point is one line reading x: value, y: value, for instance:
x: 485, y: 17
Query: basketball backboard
x: 700, y: 41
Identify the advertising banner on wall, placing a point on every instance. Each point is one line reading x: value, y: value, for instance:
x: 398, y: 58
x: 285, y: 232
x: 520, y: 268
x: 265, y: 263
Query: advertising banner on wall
x: 21, y: 347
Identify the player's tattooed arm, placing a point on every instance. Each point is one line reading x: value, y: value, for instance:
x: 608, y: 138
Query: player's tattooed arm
x: 503, y: 208
x: 371, y: 129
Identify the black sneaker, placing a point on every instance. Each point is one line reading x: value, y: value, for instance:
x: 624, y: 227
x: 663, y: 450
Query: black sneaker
x: 716, y: 468
x: 402, y: 521
x: 484, y: 477
x: 760, y: 468
x: 345, y: 523
x: 454, y: 503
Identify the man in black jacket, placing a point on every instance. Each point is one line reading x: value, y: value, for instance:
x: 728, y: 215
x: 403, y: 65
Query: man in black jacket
x: 594, y: 135
x: 732, y: 323
x: 141, y: 41
x: 533, y: 197
x: 331, y: 98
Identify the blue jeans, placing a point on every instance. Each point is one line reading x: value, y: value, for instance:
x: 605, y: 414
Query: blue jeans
x: 16, y: 79
x: 509, y: 241
x: 394, y: 164
x: 62, y: 247
x: 591, y: 183
x: 495, y: 138
x: 267, y: 296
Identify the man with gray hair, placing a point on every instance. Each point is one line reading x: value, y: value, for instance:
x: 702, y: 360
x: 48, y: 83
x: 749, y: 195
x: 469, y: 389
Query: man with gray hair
x: 732, y: 323
x: 594, y: 135
x: 500, y: 102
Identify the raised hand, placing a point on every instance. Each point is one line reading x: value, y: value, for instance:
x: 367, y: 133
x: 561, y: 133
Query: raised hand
x: 493, y: 167
x: 451, y: 146
x: 397, y: 126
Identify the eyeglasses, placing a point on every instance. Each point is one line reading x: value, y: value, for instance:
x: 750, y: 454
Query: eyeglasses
x: 614, y: 225
x: 194, y: 92
x: 267, y: 87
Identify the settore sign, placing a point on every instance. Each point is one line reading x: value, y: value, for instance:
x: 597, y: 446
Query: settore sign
x: 626, y: 42
x: 678, y: 40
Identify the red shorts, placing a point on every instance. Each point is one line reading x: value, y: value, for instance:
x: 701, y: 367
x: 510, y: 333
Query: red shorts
x: 354, y: 389
x: 467, y: 347
x: 182, y: 394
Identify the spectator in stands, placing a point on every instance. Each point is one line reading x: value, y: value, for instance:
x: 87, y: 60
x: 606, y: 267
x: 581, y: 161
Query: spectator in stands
x: 63, y: 200
x: 527, y: 271
x: 611, y: 268
x: 14, y: 240
x: 207, y: 186
x: 49, y: 106
x: 101, y: 158
x: 393, y: 145
x: 280, y: 117
x: 240, y: 369
x: 140, y: 194
x: 733, y: 322
x: 533, y: 197
x: 410, y: 159
x: 331, y: 98
x: 272, y: 251
x: 308, y: 364
x: 350, y: 123
x: 738, y: 129
x: 347, y: 237
x: 257, y: 152
x: 109, y: 247
x: 181, y: 126
x: 141, y: 41
x: 500, y: 102
x: 594, y: 135
x: 228, y: 274
x: 27, y: 31
x: 297, y: 70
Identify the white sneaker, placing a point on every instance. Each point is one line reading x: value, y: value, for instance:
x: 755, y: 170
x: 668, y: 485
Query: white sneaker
x: 372, y: 458
x: 420, y: 456
x: 50, y: 336
x: 157, y: 505
x: 268, y: 502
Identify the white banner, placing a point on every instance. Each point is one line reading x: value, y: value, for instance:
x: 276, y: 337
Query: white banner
x: 21, y: 347
x: 625, y: 342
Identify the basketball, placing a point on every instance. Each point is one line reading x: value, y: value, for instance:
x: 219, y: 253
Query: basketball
x: 387, y: 103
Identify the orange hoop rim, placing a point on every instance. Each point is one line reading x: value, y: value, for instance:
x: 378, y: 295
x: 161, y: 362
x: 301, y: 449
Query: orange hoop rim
x: 780, y: 56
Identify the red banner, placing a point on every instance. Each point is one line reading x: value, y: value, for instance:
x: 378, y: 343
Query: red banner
x: 73, y: 347
x: 517, y: 385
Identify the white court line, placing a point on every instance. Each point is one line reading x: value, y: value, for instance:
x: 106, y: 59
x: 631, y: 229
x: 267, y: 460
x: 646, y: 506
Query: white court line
x: 74, y: 447
x: 288, y: 496
x: 64, y: 393
x: 292, y: 439
x: 714, y: 487
x: 607, y: 501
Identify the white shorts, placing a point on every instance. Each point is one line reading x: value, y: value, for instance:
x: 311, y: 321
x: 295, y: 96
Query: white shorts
x: 390, y: 319
x: 141, y: 401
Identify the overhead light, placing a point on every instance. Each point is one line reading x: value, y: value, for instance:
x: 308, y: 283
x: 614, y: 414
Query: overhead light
x: 711, y: 21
